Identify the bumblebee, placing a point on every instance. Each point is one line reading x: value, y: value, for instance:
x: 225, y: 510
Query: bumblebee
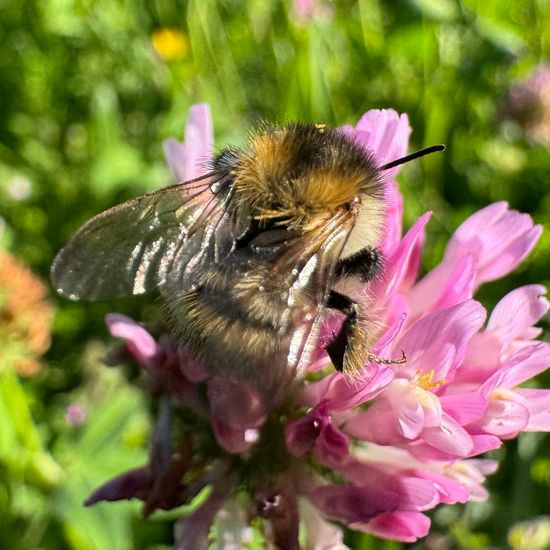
x: 251, y: 256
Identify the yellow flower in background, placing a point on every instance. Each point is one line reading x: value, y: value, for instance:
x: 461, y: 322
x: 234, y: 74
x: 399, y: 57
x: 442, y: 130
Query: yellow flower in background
x: 25, y: 316
x: 170, y: 44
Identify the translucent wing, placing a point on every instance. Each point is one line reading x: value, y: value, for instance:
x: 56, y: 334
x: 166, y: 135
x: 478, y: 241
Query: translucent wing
x: 311, y: 265
x: 131, y: 248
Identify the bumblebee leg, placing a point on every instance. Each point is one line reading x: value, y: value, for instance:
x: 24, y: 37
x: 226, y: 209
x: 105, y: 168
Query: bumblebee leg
x: 365, y: 264
x: 350, y: 349
x: 338, y: 348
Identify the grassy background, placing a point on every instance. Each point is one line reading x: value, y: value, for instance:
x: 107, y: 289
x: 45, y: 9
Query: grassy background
x: 86, y: 101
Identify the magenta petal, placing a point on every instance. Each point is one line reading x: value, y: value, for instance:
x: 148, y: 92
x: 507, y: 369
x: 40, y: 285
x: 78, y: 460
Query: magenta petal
x: 301, y: 435
x: 402, y: 526
x: 351, y: 504
x: 138, y: 341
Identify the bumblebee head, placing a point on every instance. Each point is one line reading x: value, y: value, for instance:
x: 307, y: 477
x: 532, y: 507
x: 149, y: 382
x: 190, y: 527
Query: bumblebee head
x: 302, y: 175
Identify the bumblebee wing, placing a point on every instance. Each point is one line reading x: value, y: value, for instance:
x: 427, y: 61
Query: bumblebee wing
x: 131, y: 248
x: 312, y: 262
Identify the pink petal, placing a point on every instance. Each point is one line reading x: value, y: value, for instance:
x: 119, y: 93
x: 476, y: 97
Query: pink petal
x: 235, y: 439
x: 439, y: 340
x: 464, y: 407
x: 450, y: 491
x: 498, y: 239
x: 401, y: 526
x: 235, y: 402
x: 484, y: 443
x: 398, y: 265
x: 341, y: 393
x: 522, y: 366
x: 414, y: 493
x: 138, y: 341
x: 187, y: 159
x: 517, y: 312
x: 386, y: 134
x: 377, y: 424
x: 445, y: 286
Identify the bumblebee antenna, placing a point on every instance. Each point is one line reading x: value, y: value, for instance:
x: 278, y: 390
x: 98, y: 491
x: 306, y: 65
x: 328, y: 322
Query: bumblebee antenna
x: 412, y: 156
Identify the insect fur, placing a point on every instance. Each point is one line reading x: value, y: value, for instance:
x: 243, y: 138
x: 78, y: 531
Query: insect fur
x: 249, y: 257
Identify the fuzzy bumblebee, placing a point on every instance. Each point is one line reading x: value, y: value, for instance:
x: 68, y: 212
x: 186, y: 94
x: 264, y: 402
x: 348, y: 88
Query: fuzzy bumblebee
x: 249, y: 257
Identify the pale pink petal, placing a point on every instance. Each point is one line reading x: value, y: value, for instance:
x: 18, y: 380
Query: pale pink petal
x: 401, y: 526
x: 394, y: 214
x: 138, y: 341
x: 376, y: 424
x: 187, y: 160
x: 409, y: 412
x: 320, y: 534
x: 449, y: 438
x: 471, y: 473
x: 539, y: 418
x: 507, y: 415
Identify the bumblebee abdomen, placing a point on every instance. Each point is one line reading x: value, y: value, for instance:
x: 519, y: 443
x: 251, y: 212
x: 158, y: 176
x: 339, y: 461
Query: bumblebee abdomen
x: 237, y: 326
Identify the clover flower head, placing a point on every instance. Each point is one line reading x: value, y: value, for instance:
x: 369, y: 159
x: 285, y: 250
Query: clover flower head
x: 375, y: 453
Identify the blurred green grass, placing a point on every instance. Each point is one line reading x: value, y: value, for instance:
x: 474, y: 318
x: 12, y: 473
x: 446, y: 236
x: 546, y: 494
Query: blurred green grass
x: 86, y: 102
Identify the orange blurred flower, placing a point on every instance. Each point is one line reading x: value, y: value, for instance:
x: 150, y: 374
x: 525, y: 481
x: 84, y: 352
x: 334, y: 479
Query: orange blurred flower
x: 25, y: 316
